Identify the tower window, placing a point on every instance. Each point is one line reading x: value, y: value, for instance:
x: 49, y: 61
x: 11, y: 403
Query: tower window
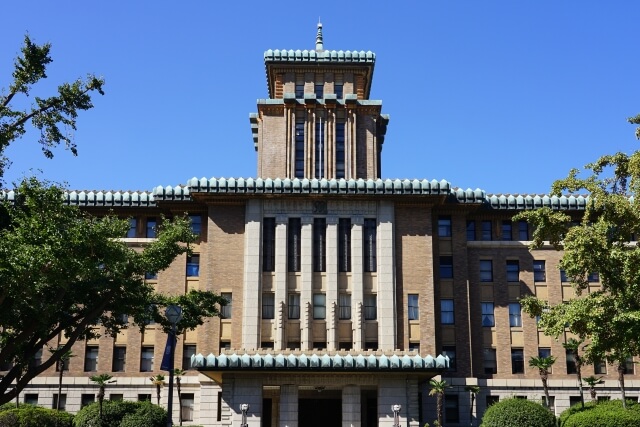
x: 299, y: 154
x: 344, y: 244
x: 370, y: 261
x: 319, y: 244
x: 293, y: 242
x: 319, y: 147
x: 340, y: 157
x: 268, y: 244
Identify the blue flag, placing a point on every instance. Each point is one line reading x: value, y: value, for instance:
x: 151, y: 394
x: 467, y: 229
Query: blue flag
x: 168, y: 350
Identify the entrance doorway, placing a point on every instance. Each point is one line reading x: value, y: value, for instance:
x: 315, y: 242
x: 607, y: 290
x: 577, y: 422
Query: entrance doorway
x: 320, y: 412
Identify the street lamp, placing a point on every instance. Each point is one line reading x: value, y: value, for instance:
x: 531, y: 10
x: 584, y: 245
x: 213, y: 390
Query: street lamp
x: 396, y: 415
x: 174, y: 315
x: 244, y: 408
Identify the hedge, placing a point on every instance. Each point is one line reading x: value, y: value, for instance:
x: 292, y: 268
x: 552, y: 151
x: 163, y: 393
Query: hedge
x: 518, y: 413
x: 603, y: 414
x: 116, y: 413
x: 34, y: 416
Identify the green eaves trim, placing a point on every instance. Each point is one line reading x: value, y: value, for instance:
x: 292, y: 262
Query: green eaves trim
x: 98, y: 198
x: 346, y: 56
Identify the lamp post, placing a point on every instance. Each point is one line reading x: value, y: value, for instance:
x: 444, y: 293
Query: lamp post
x: 244, y: 408
x: 174, y: 315
x: 396, y: 415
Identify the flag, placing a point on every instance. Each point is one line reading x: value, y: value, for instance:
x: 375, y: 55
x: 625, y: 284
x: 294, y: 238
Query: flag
x: 168, y: 351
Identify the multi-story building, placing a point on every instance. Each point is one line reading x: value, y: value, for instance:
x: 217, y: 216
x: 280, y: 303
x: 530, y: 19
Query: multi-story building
x: 341, y: 283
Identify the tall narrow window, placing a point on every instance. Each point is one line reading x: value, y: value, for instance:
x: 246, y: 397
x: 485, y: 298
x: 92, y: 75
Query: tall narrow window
x: 486, y: 270
x: 188, y: 350
x: 446, y: 312
x: 539, y: 271
x: 344, y: 244
x: 193, y: 266
x: 293, y: 242
x: 268, y: 305
x: 133, y: 227
x: 319, y: 147
x: 91, y: 359
x: 369, y: 245
x: 319, y: 306
x: 370, y: 307
x: 294, y: 306
x: 513, y: 271
x: 318, y: 88
x: 471, y: 230
x: 196, y: 223
x: 506, y: 230
x: 345, y: 306
x: 571, y: 362
x: 488, y: 318
x: 340, y: 150
x: 319, y: 244
x: 299, y: 155
x: 515, y: 314
x: 226, y: 310
x: 338, y: 86
x: 517, y: 361
x: 151, y: 228
x: 450, y: 352
x: 444, y: 226
x: 146, y: 359
x: 446, y: 267
x: 523, y: 230
x: 486, y: 230
x: 490, y: 363
x: 414, y: 308
x: 119, y: 358
x: 452, y: 409
x: 186, y: 406
x: 268, y: 244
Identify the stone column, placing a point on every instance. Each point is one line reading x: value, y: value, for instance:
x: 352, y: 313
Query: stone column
x: 252, y: 276
x: 351, y: 406
x: 386, y: 278
x: 357, y: 295
x: 238, y: 391
x: 288, y: 405
x: 306, y: 283
x: 280, y: 279
x: 398, y: 391
x: 332, y: 282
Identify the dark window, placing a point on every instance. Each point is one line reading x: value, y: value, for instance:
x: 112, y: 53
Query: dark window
x: 293, y: 345
x: 446, y: 267
x: 574, y: 400
x: 144, y: 397
x: 414, y: 308
x: 299, y: 95
x: 268, y: 244
x: 227, y: 310
x: 369, y: 244
x: 319, y: 244
x: 146, y: 359
x: 319, y: 306
x: 563, y: 276
x: 447, y: 312
x: 517, y: 361
x: 539, y: 272
x: 294, y: 306
x: 116, y: 397
x: 268, y: 305
x: 267, y: 344
x: 319, y: 149
x: 471, y: 230
x: 371, y: 345
x: 490, y: 400
x: 593, y: 277
x: 319, y: 90
x: 119, y: 358
x: 544, y: 352
x: 151, y: 276
x: 571, y: 363
x: 188, y: 350
x: 293, y: 241
x: 151, y: 228
x: 338, y: 88
x: 486, y: 230
x: 444, y: 226
x: 196, y: 224
x: 515, y: 314
x: 370, y: 307
x: 490, y: 362
x: 186, y: 406
x: 506, y: 230
x: 513, y: 271
x: 600, y: 367
x: 193, y: 266
x: 37, y: 359
x: 344, y: 345
x: 87, y: 399
x: 344, y: 307
x: 629, y: 366
x: 63, y: 402
x: 344, y: 244
x: 414, y: 346
x: 133, y: 227
x: 488, y: 317
x: 486, y: 270
x: 451, y: 409
x: 31, y: 398
x: 340, y: 156
x: 320, y: 345
x: 91, y: 359
x: 523, y: 230
x: 450, y: 352
x: 299, y: 162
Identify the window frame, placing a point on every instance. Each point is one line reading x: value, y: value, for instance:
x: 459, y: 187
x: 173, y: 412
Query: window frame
x: 515, y: 315
x: 490, y: 317
x: 447, y: 311
x: 268, y: 306
x: 486, y: 270
x: 319, y: 306
x: 413, y: 306
x: 511, y: 273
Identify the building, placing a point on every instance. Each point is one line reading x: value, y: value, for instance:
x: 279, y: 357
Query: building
x: 347, y: 291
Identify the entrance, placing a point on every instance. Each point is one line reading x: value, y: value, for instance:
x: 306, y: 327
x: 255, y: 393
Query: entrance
x: 320, y: 412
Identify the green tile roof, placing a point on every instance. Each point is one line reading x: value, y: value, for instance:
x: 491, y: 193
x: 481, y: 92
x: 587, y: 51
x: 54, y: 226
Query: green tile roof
x: 313, y: 56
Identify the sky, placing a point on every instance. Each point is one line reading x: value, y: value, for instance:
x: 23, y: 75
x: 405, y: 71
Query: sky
x: 501, y: 95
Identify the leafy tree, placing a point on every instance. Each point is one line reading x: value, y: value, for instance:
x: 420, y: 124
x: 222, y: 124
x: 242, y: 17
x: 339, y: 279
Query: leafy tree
x: 50, y: 251
x: 474, y: 390
x: 158, y: 382
x: 438, y: 388
x: 178, y: 373
x: 636, y: 121
x: 101, y: 380
x: 573, y: 345
x: 516, y: 412
x: 61, y: 364
x: 592, y: 382
x: 544, y: 365
x: 47, y: 115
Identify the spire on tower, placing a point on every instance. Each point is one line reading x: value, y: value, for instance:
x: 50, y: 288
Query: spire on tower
x: 319, y: 43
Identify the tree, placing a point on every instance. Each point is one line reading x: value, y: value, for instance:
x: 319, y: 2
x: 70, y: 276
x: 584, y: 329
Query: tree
x: 51, y: 251
x: 178, y: 373
x: 474, y: 390
x: 573, y: 345
x: 438, y: 389
x: 158, y: 382
x: 101, y: 380
x: 592, y: 382
x: 61, y: 364
x: 47, y: 115
x: 544, y: 365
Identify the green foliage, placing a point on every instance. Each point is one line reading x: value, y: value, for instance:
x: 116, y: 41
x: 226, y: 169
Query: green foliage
x: 518, y: 413
x: 116, y: 413
x: 603, y: 414
x: 34, y: 416
x: 148, y: 415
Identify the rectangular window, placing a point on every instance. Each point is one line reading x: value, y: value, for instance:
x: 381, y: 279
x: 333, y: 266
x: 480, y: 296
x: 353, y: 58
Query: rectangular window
x: 319, y: 306
x: 544, y: 352
x: 319, y: 244
x: 513, y: 271
x: 63, y: 402
x: 515, y: 314
x: 338, y: 86
x: 87, y: 399
x: 517, y: 361
x: 488, y: 317
x: 600, y: 367
x: 486, y: 230
x: 444, y: 226
x: 344, y: 306
x: 629, y: 366
x: 31, y: 399
x: 91, y: 359
x: 593, y: 277
x: 119, y: 358
x: 344, y: 244
x: 196, y: 224
x: 293, y: 242
x: 320, y: 161
x: 369, y: 245
x: 193, y: 265
x: 446, y: 312
x: 523, y: 231
x: 188, y: 351
x: 340, y: 156
x: 186, y: 406
x: 268, y: 244
x: 299, y: 93
x: 144, y: 397
x: 37, y: 359
x: 486, y: 270
x: 370, y: 307
x: 133, y: 227
x: 446, y: 267
x: 299, y: 154
x: 294, y: 306
x: 506, y: 231
x: 490, y: 400
x: 574, y: 400
x: 490, y: 362
x: 116, y: 396
x: 450, y: 352
x: 318, y: 88
x: 146, y: 359
x: 151, y: 276
x: 226, y: 310
x: 571, y: 362
x: 471, y: 230
x: 268, y: 305
x: 414, y: 308
x: 151, y: 228
x: 451, y: 409
x: 539, y: 272
x: 563, y: 276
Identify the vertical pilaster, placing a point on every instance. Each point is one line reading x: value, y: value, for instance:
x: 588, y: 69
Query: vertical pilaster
x: 252, y: 275
x: 241, y: 391
x: 386, y: 278
x: 332, y: 282
x: 351, y: 406
x: 288, y: 405
x: 280, y: 279
x: 357, y: 295
x: 306, y: 282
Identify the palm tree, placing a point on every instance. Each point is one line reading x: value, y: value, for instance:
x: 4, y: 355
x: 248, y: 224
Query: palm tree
x: 177, y: 373
x: 158, y: 381
x: 573, y: 345
x: 61, y: 363
x: 474, y: 390
x: 592, y: 382
x: 101, y: 380
x: 544, y: 365
x: 438, y: 389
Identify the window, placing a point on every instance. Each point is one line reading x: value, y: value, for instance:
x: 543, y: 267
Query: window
x: 268, y: 305
x: 600, y: 367
x: 344, y: 244
x: 338, y: 86
x: 414, y: 309
x: 188, y: 350
x: 471, y: 230
x: 446, y: 267
x: 293, y: 345
x: 539, y: 272
x: 196, y: 224
x: 369, y: 244
x: 268, y: 244
x: 593, y: 277
x: 293, y: 242
x: 488, y: 317
x: 319, y: 306
x: 517, y: 361
x: 344, y: 307
x: 31, y: 398
x: 37, y: 359
x: 574, y: 400
x: 515, y: 314
x: 193, y: 266
x: 186, y: 407
x: 146, y: 359
x: 299, y: 92
x: 87, y: 399
x: 319, y: 244
x: 513, y: 271
x: 544, y: 352
x: 226, y: 310
x: 318, y: 88
x: 340, y: 157
x: 320, y: 345
x: 320, y: 161
x: 119, y: 358
x: 144, y: 397
x: 446, y: 312
x: 486, y: 230
x: 629, y: 366
x: 506, y: 230
x: 91, y: 359
x: 294, y: 306
x: 571, y: 362
x: 444, y: 226
x: 490, y: 362
x: 133, y: 227
x: 451, y: 409
x: 299, y: 162
x: 370, y: 307
x: 371, y: 345
x: 151, y: 228
x: 523, y: 230
x: 486, y: 270
x: 64, y: 362
x: 63, y: 402
x: 224, y: 345
x: 563, y: 276
x: 490, y: 400
x: 450, y: 352
x: 151, y: 276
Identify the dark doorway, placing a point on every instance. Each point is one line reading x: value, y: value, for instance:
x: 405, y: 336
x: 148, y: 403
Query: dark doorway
x: 369, y: 399
x: 266, y: 413
x: 320, y: 412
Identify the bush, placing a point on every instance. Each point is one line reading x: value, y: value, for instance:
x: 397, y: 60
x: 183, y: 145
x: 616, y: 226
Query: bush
x: 34, y: 416
x: 604, y: 414
x: 518, y: 413
x: 116, y: 413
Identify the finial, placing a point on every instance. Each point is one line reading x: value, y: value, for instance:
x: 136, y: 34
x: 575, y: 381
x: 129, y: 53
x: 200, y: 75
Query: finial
x: 319, y: 44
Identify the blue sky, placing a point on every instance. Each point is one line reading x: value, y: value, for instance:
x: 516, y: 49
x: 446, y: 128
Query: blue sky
x: 505, y: 96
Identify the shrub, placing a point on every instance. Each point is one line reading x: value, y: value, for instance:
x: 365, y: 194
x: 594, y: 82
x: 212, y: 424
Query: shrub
x: 116, y: 413
x: 604, y: 414
x: 518, y: 413
x: 34, y: 416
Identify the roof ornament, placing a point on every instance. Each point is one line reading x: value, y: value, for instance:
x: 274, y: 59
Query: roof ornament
x: 319, y: 43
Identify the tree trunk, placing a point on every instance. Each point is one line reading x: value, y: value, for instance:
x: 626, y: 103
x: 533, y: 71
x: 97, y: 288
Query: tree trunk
x: 579, y: 373
x: 473, y: 398
x: 439, y: 408
x: 179, y: 399
x: 61, y: 366
x: 100, y: 400
x: 158, y: 394
x: 592, y: 392
x: 621, y: 381
x: 546, y: 391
